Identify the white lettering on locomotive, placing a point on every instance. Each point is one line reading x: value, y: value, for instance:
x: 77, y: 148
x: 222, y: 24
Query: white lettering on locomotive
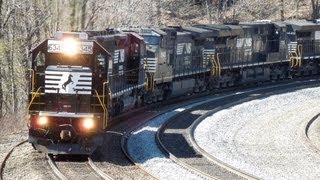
x: 57, y: 46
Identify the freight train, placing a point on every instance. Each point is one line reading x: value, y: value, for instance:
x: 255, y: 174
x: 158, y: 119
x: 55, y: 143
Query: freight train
x: 79, y: 80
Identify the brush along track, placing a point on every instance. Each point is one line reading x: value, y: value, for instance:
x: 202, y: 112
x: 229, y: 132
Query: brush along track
x: 176, y: 136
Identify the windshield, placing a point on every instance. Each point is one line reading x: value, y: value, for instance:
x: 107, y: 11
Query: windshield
x: 152, y: 40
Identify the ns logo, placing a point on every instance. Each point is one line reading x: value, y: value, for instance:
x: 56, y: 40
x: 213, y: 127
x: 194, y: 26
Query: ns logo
x: 65, y: 84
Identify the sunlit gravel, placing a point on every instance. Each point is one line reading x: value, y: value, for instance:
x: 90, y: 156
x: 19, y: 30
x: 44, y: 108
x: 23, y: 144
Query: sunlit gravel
x: 149, y: 155
x: 265, y: 137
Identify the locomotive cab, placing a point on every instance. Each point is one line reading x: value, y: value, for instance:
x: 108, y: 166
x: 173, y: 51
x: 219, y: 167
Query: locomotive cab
x: 67, y: 106
x: 303, y: 40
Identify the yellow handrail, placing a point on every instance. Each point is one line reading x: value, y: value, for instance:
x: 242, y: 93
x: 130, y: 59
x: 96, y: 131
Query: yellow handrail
x: 296, y: 57
x: 105, y: 115
x: 299, y: 52
x: 33, y: 97
x: 213, y: 62
x: 110, y: 94
x: 151, y: 76
x: 219, y: 65
x: 216, y: 66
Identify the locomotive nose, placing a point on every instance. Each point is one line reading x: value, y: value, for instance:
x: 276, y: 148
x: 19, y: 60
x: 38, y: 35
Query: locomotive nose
x: 65, y: 135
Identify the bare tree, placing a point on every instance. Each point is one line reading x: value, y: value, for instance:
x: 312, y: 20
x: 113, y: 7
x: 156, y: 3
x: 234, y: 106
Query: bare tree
x: 73, y: 20
x: 83, y: 13
x: 315, y: 9
x: 255, y: 9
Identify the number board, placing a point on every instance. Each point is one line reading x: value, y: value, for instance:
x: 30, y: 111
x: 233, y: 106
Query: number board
x: 55, y: 46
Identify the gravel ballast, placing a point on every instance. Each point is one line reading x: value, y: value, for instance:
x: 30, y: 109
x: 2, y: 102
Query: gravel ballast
x: 265, y: 137
x: 151, y: 156
x: 24, y: 162
x: 143, y: 149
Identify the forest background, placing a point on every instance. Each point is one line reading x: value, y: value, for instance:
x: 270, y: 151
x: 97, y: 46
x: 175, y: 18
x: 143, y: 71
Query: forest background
x: 25, y: 23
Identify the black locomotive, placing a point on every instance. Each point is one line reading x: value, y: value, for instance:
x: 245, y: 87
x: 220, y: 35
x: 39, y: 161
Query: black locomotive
x: 81, y: 79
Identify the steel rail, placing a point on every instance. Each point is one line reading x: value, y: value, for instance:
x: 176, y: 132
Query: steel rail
x: 3, y: 163
x: 124, y: 150
x: 55, y: 169
x: 98, y: 171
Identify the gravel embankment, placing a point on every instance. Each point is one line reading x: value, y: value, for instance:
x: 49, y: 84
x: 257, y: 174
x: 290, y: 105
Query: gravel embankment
x: 24, y: 162
x: 314, y: 135
x: 9, y: 141
x: 149, y: 155
x: 265, y: 137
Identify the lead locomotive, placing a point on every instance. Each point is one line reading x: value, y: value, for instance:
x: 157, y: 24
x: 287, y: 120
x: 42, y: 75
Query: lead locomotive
x: 80, y: 79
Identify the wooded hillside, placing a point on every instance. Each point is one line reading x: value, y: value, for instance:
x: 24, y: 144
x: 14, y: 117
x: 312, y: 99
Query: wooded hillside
x: 24, y: 23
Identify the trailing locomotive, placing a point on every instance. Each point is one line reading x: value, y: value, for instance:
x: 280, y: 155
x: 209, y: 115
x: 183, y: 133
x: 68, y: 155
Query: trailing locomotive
x: 81, y: 79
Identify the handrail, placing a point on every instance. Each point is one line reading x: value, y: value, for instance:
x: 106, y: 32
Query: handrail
x: 31, y: 102
x: 214, y: 65
x: 105, y: 115
x: 219, y: 65
x: 296, y: 57
x: 33, y: 97
x: 152, y: 82
x: 110, y: 94
x: 147, y: 83
x: 299, y: 52
x: 147, y: 88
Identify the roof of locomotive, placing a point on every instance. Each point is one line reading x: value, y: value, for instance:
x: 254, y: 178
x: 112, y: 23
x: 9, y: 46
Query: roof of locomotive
x: 303, y: 25
x: 279, y: 24
x: 112, y: 34
x: 222, y: 30
x: 145, y: 31
x: 198, y: 32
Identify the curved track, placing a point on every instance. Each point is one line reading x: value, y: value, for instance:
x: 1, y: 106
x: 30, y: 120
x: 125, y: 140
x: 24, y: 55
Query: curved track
x: 125, y: 151
x: 111, y: 158
x: 176, y: 137
x: 75, y: 168
x: 311, y: 133
x: 112, y: 162
x: 3, y: 163
x: 263, y: 137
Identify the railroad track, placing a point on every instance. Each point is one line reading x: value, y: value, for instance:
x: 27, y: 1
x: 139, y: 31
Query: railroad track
x: 76, y: 170
x: 110, y: 161
x: 3, y: 163
x: 112, y: 156
x: 175, y: 137
x: 116, y: 163
x: 125, y: 151
x: 308, y: 137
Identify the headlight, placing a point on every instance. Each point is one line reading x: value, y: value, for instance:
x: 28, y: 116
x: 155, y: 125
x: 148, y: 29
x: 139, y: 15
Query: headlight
x: 70, y: 46
x: 88, y: 123
x: 42, y: 120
